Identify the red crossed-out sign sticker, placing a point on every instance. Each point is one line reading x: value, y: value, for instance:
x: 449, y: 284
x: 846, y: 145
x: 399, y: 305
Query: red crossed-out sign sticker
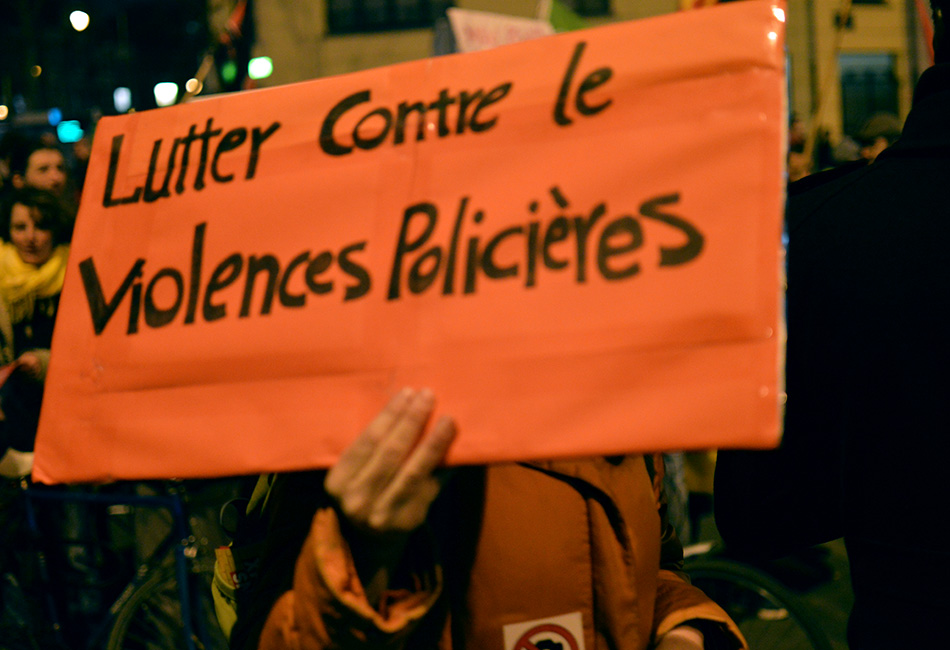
x: 530, y: 641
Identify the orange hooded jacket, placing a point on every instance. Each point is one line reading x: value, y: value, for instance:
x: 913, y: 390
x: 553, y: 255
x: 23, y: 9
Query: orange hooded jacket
x: 569, y: 551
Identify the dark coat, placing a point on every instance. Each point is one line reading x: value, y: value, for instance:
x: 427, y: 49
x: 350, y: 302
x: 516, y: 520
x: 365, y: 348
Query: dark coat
x: 867, y: 425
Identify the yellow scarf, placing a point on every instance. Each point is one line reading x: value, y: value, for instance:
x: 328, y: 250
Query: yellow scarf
x: 22, y: 283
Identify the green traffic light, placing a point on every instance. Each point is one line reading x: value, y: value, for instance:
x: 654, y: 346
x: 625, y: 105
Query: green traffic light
x: 228, y: 72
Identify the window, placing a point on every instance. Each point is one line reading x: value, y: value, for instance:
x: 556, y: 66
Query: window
x: 868, y: 86
x: 589, y: 7
x: 354, y: 16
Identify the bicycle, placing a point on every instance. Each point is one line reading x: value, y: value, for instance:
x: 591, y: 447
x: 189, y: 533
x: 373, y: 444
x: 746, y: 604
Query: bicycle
x: 770, y: 616
x: 166, y: 604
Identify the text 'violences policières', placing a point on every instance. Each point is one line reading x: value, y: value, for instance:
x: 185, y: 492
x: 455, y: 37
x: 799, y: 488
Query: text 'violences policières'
x: 458, y: 262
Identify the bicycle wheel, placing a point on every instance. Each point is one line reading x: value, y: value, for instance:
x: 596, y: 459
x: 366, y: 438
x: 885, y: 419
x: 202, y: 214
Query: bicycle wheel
x: 769, y: 615
x: 151, y: 619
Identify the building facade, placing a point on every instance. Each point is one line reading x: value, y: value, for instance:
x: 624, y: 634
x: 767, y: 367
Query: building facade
x: 847, y: 59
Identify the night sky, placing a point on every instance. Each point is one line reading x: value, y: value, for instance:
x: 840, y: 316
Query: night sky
x: 131, y: 43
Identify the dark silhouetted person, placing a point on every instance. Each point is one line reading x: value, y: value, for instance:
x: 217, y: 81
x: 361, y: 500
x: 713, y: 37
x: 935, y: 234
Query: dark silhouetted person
x: 867, y: 427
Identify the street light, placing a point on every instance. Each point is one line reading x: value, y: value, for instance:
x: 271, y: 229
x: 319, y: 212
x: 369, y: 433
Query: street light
x: 79, y: 20
x: 69, y: 131
x: 166, y: 93
x: 122, y: 99
x: 260, y: 67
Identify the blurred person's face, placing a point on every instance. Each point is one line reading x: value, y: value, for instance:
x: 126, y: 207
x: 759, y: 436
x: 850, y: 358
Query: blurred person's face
x: 799, y: 166
x: 871, y: 150
x: 45, y: 170
x: 33, y: 243
x: 82, y: 149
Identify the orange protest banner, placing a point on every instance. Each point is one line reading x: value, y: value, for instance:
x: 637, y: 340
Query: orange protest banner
x: 574, y: 241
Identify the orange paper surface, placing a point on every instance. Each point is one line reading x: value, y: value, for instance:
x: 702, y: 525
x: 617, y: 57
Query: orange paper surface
x: 574, y: 241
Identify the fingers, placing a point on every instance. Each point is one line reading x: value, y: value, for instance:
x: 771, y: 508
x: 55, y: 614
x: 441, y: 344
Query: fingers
x: 404, y: 503
x: 391, y: 434
x: 397, y: 444
x: 427, y: 456
x: 358, y: 454
x: 387, y: 479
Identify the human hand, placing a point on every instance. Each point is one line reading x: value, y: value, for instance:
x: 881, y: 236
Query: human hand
x: 683, y: 637
x: 387, y: 479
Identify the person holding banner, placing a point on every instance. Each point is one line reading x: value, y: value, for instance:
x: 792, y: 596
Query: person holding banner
x: 867, y: 435
x: 400, y: 553
x: 32, y: 268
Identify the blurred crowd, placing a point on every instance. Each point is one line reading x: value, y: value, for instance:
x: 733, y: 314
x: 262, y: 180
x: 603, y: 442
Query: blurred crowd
x: 39, y: 194
x: 89, y: 551
x: 878, y: 132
